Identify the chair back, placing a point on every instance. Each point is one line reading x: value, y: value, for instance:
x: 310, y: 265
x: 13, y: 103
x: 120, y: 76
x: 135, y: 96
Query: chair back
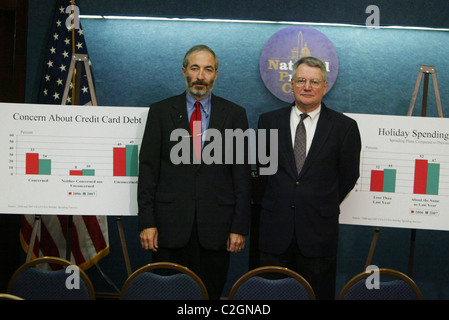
x: 33, y: 283
x: 393, y: 285
x: 163, y: 281
x: 5, y: 296
x: 253, y: 286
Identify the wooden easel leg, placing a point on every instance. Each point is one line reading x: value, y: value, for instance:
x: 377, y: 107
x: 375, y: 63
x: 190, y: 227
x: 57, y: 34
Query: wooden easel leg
x: 124, y: 247
x: 373, y: 247
x: 37, y: 220
x: 437, y: 94
x: 415, y: 92
x: 425, y: 95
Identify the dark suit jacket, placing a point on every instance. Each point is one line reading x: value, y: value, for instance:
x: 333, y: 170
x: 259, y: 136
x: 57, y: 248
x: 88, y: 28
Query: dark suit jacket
x: 306, y: 206
x: 172, y: 197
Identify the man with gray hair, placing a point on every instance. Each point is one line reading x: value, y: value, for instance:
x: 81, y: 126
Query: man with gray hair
x: 318, y: 165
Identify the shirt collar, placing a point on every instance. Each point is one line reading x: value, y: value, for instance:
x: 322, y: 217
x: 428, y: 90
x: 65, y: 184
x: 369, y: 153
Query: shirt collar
x: 205, y: 102
x: 313, y: 114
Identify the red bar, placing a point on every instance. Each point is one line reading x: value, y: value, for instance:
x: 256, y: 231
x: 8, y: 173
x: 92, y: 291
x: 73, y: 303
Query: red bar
x: 119, y: 162
x: 377, y: 180
x: 32, y: 163
x: 76, y: 172
x: 420, y: 176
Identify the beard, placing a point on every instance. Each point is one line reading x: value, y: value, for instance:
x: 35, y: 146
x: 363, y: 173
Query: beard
x: 196, y: 91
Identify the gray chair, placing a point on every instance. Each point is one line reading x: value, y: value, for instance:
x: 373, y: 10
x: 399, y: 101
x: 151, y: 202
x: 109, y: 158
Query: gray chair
x: 31, y: 282
x: 163, y: 281
x: 393, y: 285
x: 287, y: 285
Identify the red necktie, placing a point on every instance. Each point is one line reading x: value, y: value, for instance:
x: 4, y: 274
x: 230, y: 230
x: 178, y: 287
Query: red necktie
x: 195, y: 129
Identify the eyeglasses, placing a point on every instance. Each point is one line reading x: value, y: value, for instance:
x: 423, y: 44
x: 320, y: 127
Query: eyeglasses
x: 301, y: 82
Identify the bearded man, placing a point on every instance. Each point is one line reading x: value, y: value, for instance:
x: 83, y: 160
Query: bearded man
x: 193, y: 214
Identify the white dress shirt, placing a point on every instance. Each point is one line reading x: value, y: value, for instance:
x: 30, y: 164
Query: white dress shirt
x: 309, y: 123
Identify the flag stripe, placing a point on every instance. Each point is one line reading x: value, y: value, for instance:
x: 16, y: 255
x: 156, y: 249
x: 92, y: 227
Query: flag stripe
x: 75, y: 244
x: 95, y: 232
x: 46, y: 243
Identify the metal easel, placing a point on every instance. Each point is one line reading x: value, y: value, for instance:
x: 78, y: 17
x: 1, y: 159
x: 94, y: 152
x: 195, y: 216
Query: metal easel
x: 425, y: 71
x: 75, y: 71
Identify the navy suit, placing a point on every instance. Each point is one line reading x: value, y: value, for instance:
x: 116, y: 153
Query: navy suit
x: 307, y: 205
x: 304, y: 207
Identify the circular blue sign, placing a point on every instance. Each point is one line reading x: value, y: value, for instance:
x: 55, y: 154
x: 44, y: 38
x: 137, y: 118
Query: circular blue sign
x: 287, y: 46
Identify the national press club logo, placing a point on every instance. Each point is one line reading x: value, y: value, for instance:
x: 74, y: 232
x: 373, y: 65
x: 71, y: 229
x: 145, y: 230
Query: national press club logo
x: 287, y: 46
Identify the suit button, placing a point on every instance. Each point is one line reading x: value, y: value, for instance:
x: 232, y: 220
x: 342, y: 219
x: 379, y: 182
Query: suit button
x: 297, y: 183
x: 292, y: 206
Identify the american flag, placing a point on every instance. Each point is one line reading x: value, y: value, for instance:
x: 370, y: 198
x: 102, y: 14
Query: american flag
x: 62, y: 43
x: 89, y: 238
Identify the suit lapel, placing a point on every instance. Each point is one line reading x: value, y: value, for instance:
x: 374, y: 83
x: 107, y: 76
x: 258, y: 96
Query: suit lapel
x: 218, y: 113
x: 178, y: 112
x: 285, y: 139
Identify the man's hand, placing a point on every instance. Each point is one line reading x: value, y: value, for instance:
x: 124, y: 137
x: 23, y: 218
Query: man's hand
x: 236, y: 242
x: 148, y: 239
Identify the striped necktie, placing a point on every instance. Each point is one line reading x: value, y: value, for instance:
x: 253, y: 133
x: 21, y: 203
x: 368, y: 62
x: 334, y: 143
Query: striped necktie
x: 299, y: 148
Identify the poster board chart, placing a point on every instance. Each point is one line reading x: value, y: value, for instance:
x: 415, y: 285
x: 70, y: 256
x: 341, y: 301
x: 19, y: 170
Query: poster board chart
x: 403, y: 167
x: 70, y: 161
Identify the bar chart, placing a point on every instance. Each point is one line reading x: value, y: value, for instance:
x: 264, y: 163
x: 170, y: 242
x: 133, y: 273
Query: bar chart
x: 83, y: 172
x: 76, y: 156
x: 407, y: 173
x: 76, y: 160
x: 35, y: 165
x: 383, y: 180
x: 427, y: 177
x: 125, y: 163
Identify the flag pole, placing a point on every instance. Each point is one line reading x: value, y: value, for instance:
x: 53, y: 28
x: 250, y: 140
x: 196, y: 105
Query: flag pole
x: 73, y: 49
x: 70, y: 217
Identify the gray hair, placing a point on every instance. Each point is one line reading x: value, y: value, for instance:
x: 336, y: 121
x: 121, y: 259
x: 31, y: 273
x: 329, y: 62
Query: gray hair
x: 200, y: 47
x: 311, y: 62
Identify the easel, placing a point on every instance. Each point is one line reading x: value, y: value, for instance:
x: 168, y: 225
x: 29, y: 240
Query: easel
x: 75, y: 66
x: 426, y: 71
